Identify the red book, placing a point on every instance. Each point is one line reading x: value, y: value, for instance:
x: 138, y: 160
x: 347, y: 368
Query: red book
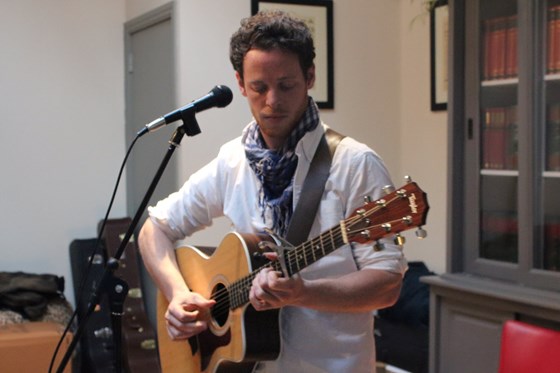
x: 487, y: 41
x: 500, y: 143
x: 499, y: 223
x: 494, y: 138
x: 556, y: 40
x: 511, y: 47
x: 500, y: 48
x: 487, y: 139
x: 553, y: 137
x: 494, y: 48
x: 551, y: 39
x: 511, y: 138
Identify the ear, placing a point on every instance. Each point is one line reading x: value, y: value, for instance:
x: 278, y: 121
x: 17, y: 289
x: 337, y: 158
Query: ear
x: 240, y: 84
x: 310, y: 77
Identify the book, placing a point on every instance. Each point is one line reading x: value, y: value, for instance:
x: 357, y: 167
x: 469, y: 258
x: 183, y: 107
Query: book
x: 553, y: 137
x: 500, y: 48
x: 499, y: 138
x: 553, y: 40
x: 512, y: 142
x: 511, y: 47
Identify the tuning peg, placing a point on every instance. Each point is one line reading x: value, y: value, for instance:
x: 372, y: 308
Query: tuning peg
x: 421, y: 233
x: 388, y: 189
x: 407, y: 179
x: 399, y: 240
x: 378, y: 246
x: 367, y: 199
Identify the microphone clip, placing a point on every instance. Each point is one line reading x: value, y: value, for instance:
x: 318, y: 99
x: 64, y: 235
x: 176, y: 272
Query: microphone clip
x: 190, y: 123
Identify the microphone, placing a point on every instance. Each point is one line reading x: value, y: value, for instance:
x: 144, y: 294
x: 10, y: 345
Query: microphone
x: 219, y: 96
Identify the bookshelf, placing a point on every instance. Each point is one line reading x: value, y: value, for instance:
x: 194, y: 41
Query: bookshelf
x: 504, y: 177
x: 517, y: 145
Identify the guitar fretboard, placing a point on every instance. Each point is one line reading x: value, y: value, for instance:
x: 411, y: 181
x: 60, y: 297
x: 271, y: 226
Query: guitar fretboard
x: 295, y: 260
x: 398, y: 211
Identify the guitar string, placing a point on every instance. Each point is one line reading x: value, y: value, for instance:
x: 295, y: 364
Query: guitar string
x: 244, y: 284
x: 239, y: 289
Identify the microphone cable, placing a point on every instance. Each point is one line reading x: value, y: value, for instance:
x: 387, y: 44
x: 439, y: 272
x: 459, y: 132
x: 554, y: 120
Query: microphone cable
x: 97, y: 248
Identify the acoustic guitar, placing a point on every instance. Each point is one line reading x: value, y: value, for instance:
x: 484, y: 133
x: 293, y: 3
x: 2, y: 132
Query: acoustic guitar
x: 238, y: 336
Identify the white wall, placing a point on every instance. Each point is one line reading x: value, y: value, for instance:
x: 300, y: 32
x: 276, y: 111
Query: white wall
x: 422, y: 133
x: 62, y: 89
x: 62, y: 132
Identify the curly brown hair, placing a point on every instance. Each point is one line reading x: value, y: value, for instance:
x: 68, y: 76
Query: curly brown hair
x: 268, y: 30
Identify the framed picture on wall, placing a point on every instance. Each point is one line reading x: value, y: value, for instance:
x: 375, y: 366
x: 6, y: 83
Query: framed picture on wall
x: 318, y: 15
x: 439, y: 31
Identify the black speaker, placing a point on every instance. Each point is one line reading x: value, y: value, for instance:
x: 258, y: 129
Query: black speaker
x: 95, y: 352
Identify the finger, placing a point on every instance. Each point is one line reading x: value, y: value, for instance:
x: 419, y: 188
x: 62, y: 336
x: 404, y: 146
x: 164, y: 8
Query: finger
x: 182, y: 314
x: 179, y: 323
x: 256, y: 301
x: 270, y: 255
x: 259, y: 304
x: 186, y: 330
x: 200, y: 302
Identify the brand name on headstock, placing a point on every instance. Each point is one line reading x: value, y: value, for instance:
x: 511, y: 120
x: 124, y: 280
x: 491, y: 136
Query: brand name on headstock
x: 412, y: 203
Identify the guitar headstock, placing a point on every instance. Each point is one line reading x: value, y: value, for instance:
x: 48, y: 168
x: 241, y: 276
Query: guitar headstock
x: 400, y: 210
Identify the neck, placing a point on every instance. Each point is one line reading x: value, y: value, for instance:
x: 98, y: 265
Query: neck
x: 274, y: 144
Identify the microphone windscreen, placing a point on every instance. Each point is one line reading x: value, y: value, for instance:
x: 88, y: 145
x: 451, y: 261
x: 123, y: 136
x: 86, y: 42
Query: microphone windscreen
x: 223, y: 95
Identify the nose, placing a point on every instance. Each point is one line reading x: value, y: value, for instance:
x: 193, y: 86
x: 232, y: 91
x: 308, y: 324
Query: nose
x: 273, y: 98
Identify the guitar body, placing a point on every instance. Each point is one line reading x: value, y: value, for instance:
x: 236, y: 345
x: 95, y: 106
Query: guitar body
x: 235, y: 339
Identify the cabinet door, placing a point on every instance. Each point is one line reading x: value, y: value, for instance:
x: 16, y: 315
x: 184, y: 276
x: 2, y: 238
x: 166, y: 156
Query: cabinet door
x: 469, y: 336
x: 548, y: 159
x: 512, y: 148
x: 492, y: 148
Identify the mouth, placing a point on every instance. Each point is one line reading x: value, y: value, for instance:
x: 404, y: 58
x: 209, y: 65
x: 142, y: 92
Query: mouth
x: 274, y: 116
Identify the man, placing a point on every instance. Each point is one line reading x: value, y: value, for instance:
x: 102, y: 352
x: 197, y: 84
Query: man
x: 255, y: 181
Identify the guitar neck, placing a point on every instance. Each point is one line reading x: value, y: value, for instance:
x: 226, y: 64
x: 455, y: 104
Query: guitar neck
x: 295, y: 260
x: 398, y: 211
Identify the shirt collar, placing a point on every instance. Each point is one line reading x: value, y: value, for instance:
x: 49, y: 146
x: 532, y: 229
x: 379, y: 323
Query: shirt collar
x: 310, y: 141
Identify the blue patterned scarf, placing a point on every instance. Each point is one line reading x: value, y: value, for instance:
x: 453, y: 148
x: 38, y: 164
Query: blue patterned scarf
x: 275, y: 168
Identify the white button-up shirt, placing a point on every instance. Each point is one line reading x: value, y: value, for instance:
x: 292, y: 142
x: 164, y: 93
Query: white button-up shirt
x: 312, y: 341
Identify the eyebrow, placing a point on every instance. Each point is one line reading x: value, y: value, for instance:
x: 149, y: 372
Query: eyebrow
x: 282, y: 79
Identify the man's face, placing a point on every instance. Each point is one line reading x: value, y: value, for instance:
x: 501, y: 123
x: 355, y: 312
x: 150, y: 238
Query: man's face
x: 276, y: 89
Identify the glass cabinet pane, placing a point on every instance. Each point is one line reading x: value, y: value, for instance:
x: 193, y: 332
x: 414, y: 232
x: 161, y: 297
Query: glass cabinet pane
x: 499, y: 227
x: 499, y: 131
x: 550, y: 258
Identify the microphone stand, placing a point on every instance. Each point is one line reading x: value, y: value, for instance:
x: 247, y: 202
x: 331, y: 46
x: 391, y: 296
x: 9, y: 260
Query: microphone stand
x: 116, y: 288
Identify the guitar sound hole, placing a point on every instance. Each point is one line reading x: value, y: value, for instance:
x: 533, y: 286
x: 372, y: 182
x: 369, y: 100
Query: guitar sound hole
x: 220, y: 311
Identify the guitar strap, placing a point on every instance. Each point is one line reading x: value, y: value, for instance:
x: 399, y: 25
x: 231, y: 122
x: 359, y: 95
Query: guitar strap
x: 313, y: 188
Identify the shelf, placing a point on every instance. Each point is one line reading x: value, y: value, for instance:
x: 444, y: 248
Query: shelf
x: 515, y: 173
x: 509, y: 173
x: 500, y: 82
x: 552, y: 77
x: 551, y: 174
